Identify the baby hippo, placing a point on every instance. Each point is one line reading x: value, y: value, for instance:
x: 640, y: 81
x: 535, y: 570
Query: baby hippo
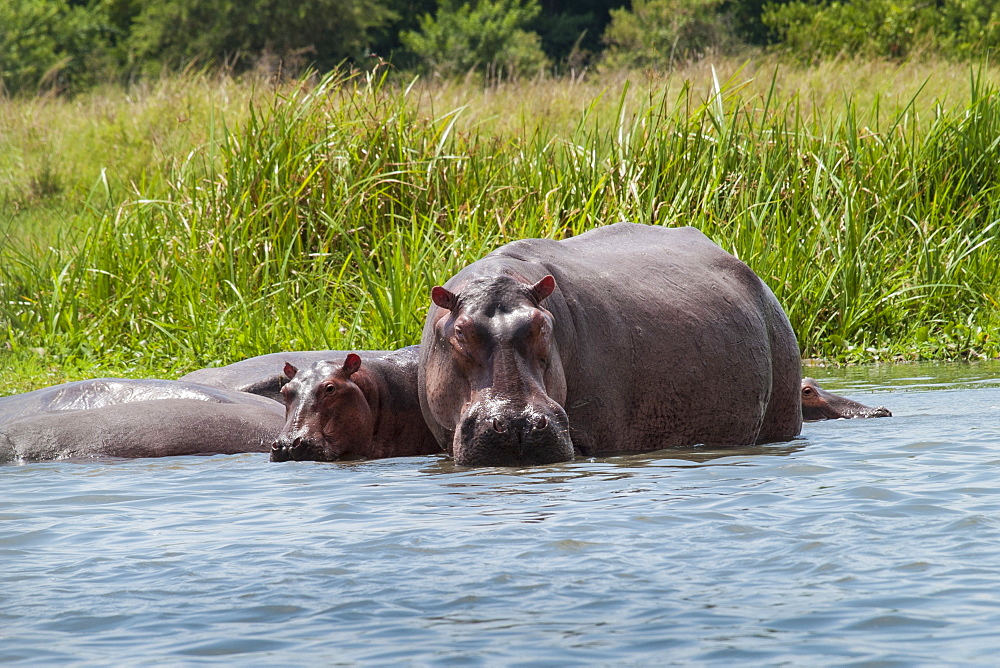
x: 818, y: 404
x: 361, y: 408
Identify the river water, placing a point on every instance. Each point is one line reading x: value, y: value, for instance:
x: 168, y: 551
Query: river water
x: 864, y: 541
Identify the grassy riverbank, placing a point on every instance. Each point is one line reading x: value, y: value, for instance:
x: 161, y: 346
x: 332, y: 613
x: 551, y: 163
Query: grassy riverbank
x: 201, y: 221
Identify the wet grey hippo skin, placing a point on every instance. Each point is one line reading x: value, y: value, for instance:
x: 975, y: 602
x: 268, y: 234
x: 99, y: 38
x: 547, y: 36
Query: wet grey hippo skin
x: 818, y: 404
x: 354, y: 406
x: 626, y: 338
x: 158, y: 428
x: 99, y: 392
x: 263, y: 375
x: 112, y: 417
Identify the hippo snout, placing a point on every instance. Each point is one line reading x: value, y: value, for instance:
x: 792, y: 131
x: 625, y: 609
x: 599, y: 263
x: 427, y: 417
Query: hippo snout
x: 280, y: 451
x: 290, y: 449
x: 491, y: 435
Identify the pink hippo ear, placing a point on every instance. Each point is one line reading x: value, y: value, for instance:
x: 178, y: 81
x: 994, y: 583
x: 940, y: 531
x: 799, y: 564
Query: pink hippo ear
x: 444, y: 298
x: 351, y: 364
x: 543, y: 288
x: 290, y: 371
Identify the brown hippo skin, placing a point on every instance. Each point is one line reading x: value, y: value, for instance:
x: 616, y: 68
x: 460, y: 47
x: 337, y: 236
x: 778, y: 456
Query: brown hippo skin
x: 818, y: 404
x: 263, y: 374
x: 625, y: 338
x: 114, y: 417
x: 363, y: 406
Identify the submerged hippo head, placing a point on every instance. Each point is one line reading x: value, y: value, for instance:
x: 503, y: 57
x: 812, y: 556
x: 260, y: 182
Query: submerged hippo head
x: 493, y: 376
x: 327, y: 413
x: 818, y: 404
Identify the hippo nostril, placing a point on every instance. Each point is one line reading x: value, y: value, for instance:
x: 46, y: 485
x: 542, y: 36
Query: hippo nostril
x: 542, y: 423
x: 296, y: 443
x: 498, y: 426
x: 278, y: 452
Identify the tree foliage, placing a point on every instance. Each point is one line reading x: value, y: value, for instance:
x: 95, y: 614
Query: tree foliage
x: 482, y: 34
x: 571, y: 29
x: 50, y: 43
x: 320, y: 31
x: 67, y: 45
x: 812, y: 30
x: 659, y: 32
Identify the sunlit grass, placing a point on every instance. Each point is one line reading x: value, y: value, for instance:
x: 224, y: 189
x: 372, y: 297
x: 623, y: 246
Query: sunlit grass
x: 319, y: 214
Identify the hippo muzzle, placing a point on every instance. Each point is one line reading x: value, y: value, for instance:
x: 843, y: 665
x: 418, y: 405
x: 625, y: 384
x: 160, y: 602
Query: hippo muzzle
x: 503, y: 434
x: 820, y: 404
x: 303, y: 449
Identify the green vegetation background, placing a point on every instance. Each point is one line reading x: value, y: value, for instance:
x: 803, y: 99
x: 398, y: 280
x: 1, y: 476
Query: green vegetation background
x: 70, y: 45
x: 152, y: 223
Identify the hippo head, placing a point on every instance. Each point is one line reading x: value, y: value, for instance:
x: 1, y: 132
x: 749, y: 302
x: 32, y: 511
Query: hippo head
x: 818, y: 404
x: 493, y: 375
x: 328, y: 415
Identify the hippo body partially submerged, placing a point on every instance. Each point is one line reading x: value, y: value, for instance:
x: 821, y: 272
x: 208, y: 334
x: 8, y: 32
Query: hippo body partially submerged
x: 158, y: 428
x: 360, y: 405
x: 263, y: 374
x: 819, y: 404
x: 625, y: 338
x: 115, y: 417
x: 100, y: 392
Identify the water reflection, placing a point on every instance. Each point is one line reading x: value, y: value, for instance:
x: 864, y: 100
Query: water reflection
x: 590, y: 466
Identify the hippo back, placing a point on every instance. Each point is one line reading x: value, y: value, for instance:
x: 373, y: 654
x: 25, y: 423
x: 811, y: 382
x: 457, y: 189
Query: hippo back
x: 101, y: 392
x: 674, y: 341
x: 154, y: 428
x: 263, y: 375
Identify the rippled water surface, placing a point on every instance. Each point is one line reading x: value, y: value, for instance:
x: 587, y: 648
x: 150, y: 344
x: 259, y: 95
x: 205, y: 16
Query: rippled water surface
x: 866, y: 540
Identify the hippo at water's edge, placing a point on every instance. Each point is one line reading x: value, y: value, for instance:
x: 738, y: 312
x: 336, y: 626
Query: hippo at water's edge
x: 263, y: 374
x: 99, y: 392
x: 362, y: 406
x: 625, y: 338
x: 173, y: 419
x: 818, y: 404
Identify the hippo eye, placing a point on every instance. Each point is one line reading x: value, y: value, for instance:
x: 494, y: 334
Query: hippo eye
x: 330, y: 389
x: 806, y: 391
x: 458, y: 338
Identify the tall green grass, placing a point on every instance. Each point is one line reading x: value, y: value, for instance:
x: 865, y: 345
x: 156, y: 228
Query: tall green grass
x: 328, y: 210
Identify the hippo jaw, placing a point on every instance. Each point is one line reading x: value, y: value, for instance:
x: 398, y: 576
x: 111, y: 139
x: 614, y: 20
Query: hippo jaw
x: 498, y: 432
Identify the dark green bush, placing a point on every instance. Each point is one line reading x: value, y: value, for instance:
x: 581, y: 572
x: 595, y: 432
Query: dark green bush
x: 321, y: 32
x: 52, y: 44
x: 478, y: 35
x: 885, y: 28
x: 661, y: 32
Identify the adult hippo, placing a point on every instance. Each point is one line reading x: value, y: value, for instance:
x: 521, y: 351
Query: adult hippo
x: 111, y: 417
x: 263, y: 374
x: 626, y: 338
x: 363, y: 406
x: 100, y: 392
x: 818, y: 404
x: 157, y: 428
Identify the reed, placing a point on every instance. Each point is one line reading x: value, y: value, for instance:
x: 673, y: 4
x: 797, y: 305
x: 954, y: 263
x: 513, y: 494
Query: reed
x: 320, y: 214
